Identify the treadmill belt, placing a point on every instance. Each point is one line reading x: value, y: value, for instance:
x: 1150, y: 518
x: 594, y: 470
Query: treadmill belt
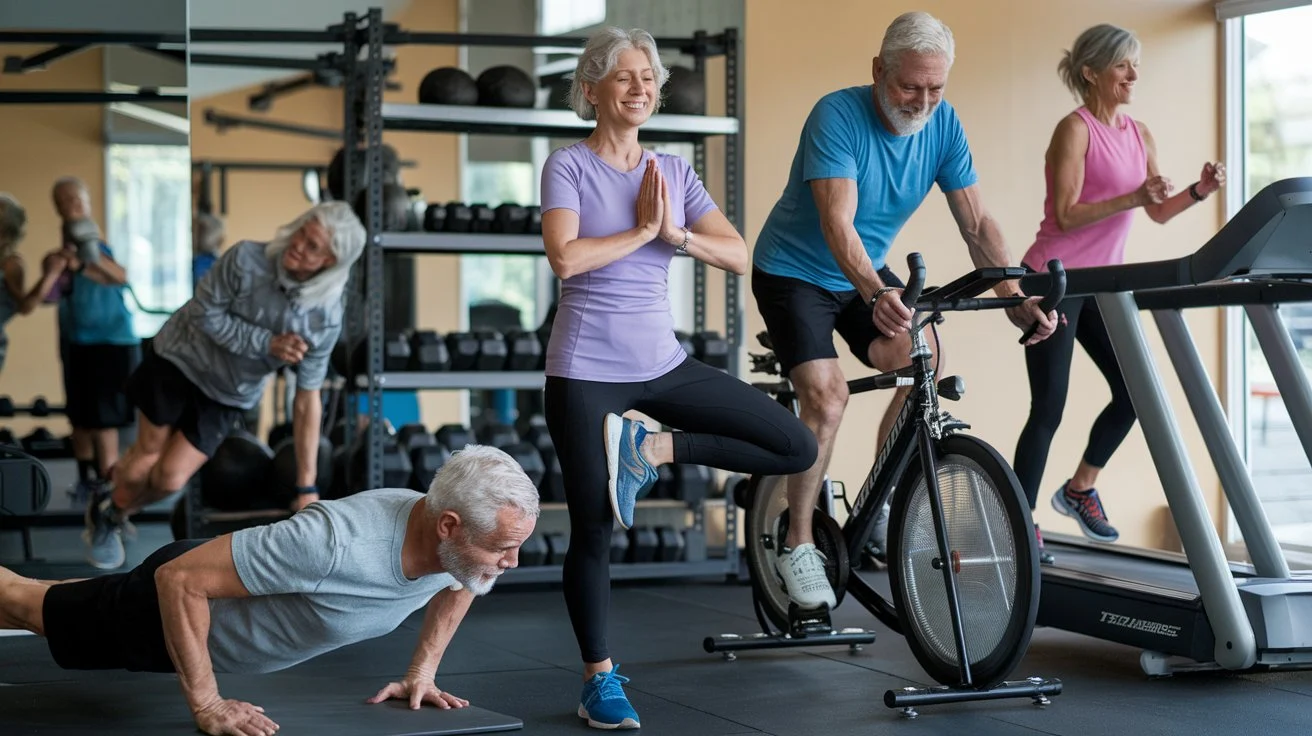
x: 1159, y: 573
x: 299, y: 705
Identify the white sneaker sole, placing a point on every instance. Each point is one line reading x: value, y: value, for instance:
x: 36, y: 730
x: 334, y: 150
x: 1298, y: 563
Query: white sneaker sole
x: 614, y: 434
x: 626, y: 723
x: 1064, y: 510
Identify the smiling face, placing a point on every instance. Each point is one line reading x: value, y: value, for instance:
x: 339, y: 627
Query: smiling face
x: 1115, y: 84
x: 72, y: 201
x: 476, y: 561
x: 909, y: 92
x: 628, y: 94
x: 308, y: 251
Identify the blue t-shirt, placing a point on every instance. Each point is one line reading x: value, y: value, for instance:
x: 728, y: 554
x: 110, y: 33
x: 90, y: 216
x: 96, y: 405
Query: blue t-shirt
x: 92, y: 313
x: 844, y: 139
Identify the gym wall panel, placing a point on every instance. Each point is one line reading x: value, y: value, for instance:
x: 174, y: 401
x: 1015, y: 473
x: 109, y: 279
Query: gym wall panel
x: 39, y: 144
x: 261, y: 202
x: 1005, y: 88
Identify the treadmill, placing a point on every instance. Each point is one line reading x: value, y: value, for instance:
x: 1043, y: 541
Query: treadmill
x: 1197, y: 610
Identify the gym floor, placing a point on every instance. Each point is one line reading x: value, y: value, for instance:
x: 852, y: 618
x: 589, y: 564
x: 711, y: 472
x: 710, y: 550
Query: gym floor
x: 515, y: 654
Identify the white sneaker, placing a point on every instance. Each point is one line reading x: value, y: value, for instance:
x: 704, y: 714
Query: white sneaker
x: 802, y: 571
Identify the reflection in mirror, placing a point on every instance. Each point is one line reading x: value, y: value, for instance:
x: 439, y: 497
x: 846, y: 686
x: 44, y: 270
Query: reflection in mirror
x: 95, y: 239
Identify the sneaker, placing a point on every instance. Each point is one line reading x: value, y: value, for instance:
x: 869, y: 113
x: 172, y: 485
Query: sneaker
x: 1085, y: 508
x: 631, y: 476
x: 104, y: 538
x: 802, y: 571
x: 1045, y: 557
x: 603, y: 702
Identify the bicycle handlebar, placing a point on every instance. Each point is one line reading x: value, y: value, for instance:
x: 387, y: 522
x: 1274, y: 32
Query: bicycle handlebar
x: 1049, y: 302
x: 915, y: 280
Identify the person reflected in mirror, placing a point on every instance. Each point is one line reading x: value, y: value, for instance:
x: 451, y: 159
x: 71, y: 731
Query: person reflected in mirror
x: 207, y: 234
x: 16, y: 298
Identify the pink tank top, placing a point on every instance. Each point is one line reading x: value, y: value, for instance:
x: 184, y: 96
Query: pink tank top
x: 1115, y: 164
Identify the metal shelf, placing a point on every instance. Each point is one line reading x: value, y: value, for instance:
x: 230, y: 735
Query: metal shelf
x: 526, y: 121
x: 626, y: 571
x: 463, y: 243
x: 448, y: 380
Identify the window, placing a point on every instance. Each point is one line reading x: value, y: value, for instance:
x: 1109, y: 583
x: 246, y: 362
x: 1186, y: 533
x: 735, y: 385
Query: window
x: 509, y: 279
x: 1270, y: 120
x: 563, y: 16
x: 148, y: 225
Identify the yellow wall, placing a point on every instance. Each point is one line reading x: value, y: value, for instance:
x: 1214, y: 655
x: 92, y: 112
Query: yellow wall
x: 259, y: 202
x: 1005, y: 88
x: 38, y: 144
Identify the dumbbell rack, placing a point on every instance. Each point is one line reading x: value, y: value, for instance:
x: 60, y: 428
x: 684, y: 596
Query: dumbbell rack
x: 365, y: 118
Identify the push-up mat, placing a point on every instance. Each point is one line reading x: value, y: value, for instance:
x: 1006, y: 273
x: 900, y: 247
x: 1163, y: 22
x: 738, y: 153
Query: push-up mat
x: 299, y: 705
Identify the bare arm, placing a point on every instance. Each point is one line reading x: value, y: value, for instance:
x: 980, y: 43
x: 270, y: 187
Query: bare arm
x: 1065, y: 158
x: 1163, y: 211
x: 441, y: 619
x: 836, y: 201
x: 307, y: 412
x: 715, y: 242
x: 15, y: 277
x: 107, y: 271
x: 982, y: 235
x: 570, y: 255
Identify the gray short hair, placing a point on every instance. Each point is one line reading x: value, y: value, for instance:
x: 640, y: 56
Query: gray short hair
x: 1098, y: 48
x: 13, y: 223
x: 598, y: 60
x: 477, y: 482
x: 919, y: 32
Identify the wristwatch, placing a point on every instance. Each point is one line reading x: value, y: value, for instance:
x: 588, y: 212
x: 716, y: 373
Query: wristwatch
x: 1193, y: 192
x: 687, y: 238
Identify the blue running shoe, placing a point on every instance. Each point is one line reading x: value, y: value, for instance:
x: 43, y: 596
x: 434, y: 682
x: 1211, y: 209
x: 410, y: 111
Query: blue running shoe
x: 1086, y: 508
x: 631, y: 476
x: 604, y: 704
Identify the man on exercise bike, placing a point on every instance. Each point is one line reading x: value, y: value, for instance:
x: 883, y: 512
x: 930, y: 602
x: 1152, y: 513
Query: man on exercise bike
x: 866, y: 159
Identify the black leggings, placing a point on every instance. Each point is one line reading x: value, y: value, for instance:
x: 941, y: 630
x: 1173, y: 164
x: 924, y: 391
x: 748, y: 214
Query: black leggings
x: 1049, y: 364
x: 726, y: 424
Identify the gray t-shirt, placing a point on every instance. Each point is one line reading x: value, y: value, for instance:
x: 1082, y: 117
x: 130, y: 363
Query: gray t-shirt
x: 327, y: 577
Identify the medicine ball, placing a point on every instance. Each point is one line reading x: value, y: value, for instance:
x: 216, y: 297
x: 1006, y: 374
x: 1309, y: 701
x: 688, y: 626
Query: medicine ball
x: 336, y: 178
x: 234, y: 479
x: 506, y: 86
x: 397, y: 212
x: 558, y: 94
x: 448, y: 85
x: 685, y: 92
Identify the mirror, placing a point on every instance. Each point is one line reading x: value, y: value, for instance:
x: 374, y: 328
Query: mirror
x: 94, y: 132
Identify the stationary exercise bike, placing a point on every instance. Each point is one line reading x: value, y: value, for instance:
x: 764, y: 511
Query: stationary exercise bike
x: 961, y: 549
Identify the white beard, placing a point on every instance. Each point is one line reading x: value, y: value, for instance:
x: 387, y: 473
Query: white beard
x: 473, y: 577
x: 904, y: 121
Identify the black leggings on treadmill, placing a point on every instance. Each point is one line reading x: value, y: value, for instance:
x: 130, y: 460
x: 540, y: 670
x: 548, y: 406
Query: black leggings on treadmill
x: 726, y: 424
x: 1049, y: 364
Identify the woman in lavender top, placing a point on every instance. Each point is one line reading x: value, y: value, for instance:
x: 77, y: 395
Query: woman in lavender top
x: 613, y: 216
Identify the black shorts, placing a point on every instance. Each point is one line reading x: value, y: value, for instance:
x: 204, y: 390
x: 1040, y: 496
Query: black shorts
x: 169, y: 399
x: 111, y: 622
x: 95, y: 385
x: 802, y: 317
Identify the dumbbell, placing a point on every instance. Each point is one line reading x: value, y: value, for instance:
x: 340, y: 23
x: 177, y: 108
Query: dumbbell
x: 619, y: 546
x: 524, y: 351
x: 7, y: 437
x: 397, y: 470
x: 414, y: 435
x: 6, y: 406
x: 534, y: 224
x: 498, y: 435
x: 510, y: 218
x: 530, y: 459
x: 425, y: 461
x: 711, y: 349
x: 40, y: 407
x: 435, y: 218
x: 557, y: 546
x: 669, y: 544
x: 492, y: 352
x: 531, y: 427
x: 692, y: 483
x: 280, y: 432
x: 482, y: 218
x: 534, y: 551
x: 459, y: 218
x: 429, y: 352
x: 664, y: 485
x: 396, y: 353
x: 463, y: 348
x: 644, y: 543
x: 454, y: 437
x: 42, y: 443
x: 552, y: 488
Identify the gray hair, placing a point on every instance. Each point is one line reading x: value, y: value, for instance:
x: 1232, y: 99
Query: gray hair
x: 69, y: 181
x: 919, y: 32
x: 13, y: 224
x: 476, y: 483
x: 347, y: 243
x: 599, y: 58
x: 1097, y: 48
x: 208, y: 231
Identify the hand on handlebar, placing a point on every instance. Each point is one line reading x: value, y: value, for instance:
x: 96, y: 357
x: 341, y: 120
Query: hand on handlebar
x: 890, y: 315
x: 1031, y: 315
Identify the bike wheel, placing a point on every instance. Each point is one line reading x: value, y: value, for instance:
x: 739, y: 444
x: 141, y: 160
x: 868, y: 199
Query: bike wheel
x: 766, y: 528
x: 994, y: 556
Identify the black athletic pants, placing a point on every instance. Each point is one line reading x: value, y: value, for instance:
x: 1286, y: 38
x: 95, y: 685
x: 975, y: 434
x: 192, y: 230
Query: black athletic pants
x: 1049, y: 365
x: 726, y: 424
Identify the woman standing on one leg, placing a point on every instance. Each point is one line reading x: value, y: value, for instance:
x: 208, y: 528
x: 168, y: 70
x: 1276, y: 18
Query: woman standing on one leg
x: 613, y: 216
x: 1101, y: 166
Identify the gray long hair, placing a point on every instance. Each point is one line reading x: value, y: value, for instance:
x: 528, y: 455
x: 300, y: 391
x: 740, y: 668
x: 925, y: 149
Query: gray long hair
x: 13, y: 224
x: 347, y: 242
x: 919, y: 32
x: 1097, y: 48
x: 598, y: 60
x: 476, y: 483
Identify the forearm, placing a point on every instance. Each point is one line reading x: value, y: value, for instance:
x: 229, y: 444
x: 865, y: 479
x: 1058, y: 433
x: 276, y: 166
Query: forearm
x: 186, y: 618
x: 582, y: 255
x: 307, y: 412
x: 443, y: 616
x: 988, y: 249
x: 1081, y: 214
x: 32, y: 298
x: 852, y: 258
x: 1169, y: 208
x: 726, y: 252
x: 110, y: 271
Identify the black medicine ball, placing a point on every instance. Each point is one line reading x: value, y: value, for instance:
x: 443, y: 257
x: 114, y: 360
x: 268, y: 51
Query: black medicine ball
x: 506, y: 86
x: 448, y: 85
x: 336, y: 177
x: 396, y: 207
x: 685, y: 92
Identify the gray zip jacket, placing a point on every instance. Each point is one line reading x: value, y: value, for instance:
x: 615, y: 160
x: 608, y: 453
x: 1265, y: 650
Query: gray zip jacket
x: 220, y: 338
